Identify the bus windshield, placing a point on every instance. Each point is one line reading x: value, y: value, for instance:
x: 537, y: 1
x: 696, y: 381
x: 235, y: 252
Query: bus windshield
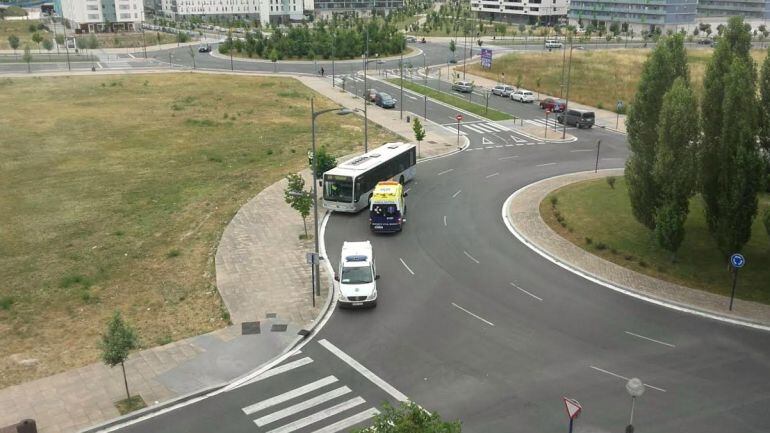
x: 338, y: 188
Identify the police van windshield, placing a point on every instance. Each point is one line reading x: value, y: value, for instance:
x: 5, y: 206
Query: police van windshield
x: 356, y: 275
x: 387, y: 210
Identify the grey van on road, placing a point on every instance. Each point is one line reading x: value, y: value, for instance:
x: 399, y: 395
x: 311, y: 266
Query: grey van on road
x: 579, y: 118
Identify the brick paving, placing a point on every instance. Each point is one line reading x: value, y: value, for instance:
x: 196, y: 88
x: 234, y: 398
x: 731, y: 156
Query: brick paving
x: 524, y: 216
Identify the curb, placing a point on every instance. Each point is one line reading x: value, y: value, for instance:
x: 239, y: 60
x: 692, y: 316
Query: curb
x: 684, y: 308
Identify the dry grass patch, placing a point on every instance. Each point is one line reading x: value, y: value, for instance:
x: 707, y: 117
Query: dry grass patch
x: 20, y: 29
x: 130, y: 39
x: 599, y: 77
x: 115, y: 194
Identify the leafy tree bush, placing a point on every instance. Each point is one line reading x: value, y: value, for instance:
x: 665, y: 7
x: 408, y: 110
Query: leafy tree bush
x: 326, y: 161
x: 117, y: 342
x: 410, y: 418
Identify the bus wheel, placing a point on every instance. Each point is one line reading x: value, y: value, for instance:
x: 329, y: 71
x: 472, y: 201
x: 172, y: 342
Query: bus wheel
x: 401, y: 180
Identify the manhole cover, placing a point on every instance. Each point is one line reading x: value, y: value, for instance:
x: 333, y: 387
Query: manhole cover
x: 249, y: 328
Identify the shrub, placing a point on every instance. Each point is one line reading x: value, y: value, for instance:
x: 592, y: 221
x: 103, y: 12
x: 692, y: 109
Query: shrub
x: 6, y: 302
x: 600, y: 106
x: 173, y: 253
x: 628, y: 257
x: 642, y: 263
x: 554, y: 201
x: 326, y: 161
x: 611, y: 182
x: 613, y: 251
x: 589, y: 241
x: 601, y: 246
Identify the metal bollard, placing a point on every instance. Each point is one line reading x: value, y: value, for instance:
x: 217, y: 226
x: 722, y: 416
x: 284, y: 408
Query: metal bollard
x: 407, y: 119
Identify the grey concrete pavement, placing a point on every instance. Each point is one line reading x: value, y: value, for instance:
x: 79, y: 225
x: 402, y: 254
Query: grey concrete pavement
x: 524, y: 216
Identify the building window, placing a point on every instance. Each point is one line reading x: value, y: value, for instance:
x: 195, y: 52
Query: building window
x: 93, y: 17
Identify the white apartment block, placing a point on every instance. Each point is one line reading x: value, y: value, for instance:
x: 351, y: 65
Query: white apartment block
x: 238, y: 9
x: 521, y: 11
x: 94, y: 15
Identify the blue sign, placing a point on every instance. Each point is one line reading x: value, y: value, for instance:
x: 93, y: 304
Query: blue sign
x: 737, y: 260
x: 486, y: 58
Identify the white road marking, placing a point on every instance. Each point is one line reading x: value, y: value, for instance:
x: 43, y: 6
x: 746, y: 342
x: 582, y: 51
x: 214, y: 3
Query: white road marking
x: 385, y: 386
x: 286, y: 396
x: 546, y: 164
x: 410, y: 97
x: 650, y: 339
x: 100, y: 65
x: 507, y: 157
x: 471, y: 257
x: 517, y: 140
x: 457, y: 193
x: 485, y: 127
x: 489, y: 147
x: 131, y: 55
x: 445, y: 171
x: 475, y: 128
x: 625, y: 378
x: 297, y: 408
x: 582, y: 150
x: 349, y: 421
x: 509, y: 145
x: 474, y: 315
x: 485, y: 140
x: 492, y: 175
x: 407, y: 267
x: 444, y: 220
x: 318, y: 416
x: 282, y: 369
x: 497, y: 127
x: 530, y: 294
x: 498, y: 146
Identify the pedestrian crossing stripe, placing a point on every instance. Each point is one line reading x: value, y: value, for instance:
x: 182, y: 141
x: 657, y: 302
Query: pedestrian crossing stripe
x: 318, y: 416
x: 307, y: 404
x: 286, y: 396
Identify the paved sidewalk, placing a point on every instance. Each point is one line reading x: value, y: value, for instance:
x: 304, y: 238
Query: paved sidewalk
x: 524, y: 216
x: 264, y: 281
x: 604, y: 118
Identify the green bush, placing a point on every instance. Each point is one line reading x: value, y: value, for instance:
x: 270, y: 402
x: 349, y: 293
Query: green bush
x: 6, y: 302
x: 325, y: 163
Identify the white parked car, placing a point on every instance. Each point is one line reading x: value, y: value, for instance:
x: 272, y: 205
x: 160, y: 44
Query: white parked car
x: 552, y: 43
x: 357, y: 275
x: 522, y: 95
x: 502, y: 90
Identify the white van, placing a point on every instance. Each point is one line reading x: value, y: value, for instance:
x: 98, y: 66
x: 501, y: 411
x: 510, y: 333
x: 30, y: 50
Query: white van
x: 552, y: 43
x: 357, y: 275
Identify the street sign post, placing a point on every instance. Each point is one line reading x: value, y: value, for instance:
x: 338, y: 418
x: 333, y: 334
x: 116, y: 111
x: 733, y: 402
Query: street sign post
x: 459, y: 117
x: 573, y: 410
x: 737, y: 261
x: 618, y: 109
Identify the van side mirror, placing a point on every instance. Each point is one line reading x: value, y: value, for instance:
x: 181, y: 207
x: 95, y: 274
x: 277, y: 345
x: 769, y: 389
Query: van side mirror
x: 376, y: 277
x: 336, y: 277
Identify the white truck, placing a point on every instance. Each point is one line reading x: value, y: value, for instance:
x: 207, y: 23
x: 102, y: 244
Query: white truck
x: 357, y: 275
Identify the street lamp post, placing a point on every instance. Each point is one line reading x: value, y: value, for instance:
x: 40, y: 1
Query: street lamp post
x: 334, y: 42
x: 635, y: 388
x: 401, y: 102
x: 340, y: 111
x: 566, y: 103
x: 366, y: 96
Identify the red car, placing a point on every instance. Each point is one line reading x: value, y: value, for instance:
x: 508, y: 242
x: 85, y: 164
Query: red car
x: 555, y: 105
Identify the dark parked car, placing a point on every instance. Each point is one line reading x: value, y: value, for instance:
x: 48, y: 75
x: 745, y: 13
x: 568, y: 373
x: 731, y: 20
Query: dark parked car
x: 555, y: 105
x: 205, y: 48
x: 708, y: 42
x: 384, y: 100
x: 579, y: 118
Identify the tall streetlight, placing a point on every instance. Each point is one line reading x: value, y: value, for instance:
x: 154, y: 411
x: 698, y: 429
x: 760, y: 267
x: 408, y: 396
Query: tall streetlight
x: 340, y: 111
x: 635, y: 388
x: 566, y: 103
x: 334, y: 43
x: 401, y: 69
x: 366, y: 96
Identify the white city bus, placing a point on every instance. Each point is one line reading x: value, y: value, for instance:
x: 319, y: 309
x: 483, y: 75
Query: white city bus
x: 348, y: 186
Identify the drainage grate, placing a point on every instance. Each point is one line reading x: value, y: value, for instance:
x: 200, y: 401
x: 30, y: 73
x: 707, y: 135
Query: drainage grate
x: 278, y: 328
x: 250, y: 328
x: 271, y: 315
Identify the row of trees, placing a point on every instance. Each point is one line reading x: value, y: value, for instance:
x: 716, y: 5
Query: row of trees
x: 343, y: 40
x: 719, y: 151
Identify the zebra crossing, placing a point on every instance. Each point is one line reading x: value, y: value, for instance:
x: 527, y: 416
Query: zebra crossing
x: 314, y: 398
x: 484, y: 127
x: 549, y: 122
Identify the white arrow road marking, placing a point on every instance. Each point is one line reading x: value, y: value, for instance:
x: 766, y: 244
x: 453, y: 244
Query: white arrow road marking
x: 485, y: 140
x: 517, y: 140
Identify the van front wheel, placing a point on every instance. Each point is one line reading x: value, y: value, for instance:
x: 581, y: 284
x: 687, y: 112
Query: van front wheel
x: 401, y: 180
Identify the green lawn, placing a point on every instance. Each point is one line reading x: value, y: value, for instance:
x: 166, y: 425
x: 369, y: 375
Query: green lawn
x: 458, y: 102
x: 592, y: 210
x: 115, y: 192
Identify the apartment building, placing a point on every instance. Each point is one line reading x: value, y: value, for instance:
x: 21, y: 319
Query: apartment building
x: 638, y: 15
x: 325, y: 8
x: 265, y: 10
x: 521, y: 11
x: 749, y: 9
x: 101, y: 15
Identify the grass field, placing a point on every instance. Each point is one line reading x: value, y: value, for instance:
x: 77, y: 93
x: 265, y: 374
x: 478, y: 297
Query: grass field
x: 614, y: 72
x: 115, y: 194
x: 592, y: 210
x: 21, y: 30
x: 130, y: 39
x: 456, y: 101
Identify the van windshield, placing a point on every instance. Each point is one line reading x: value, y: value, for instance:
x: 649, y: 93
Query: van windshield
x: 356, y: 275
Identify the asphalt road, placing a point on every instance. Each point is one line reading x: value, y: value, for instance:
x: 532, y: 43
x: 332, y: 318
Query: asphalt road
x: 474, y: 325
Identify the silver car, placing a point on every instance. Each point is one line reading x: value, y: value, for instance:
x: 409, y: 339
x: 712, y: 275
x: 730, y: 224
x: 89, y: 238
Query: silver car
x: 502, y: 90
x: 463, y: 86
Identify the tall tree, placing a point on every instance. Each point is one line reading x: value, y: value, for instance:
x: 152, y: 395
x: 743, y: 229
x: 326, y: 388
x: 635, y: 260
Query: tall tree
x: 37, y: 38
x: 740, y: 166
x: 730, y: 165
x: 419, y: 133
x: 27, y: 57
x: 48, y: 45
x: 673, y: 169
x: 116, y: 344
x: 13, y: 41
x: 667, y: 62
x: 764, y: 104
